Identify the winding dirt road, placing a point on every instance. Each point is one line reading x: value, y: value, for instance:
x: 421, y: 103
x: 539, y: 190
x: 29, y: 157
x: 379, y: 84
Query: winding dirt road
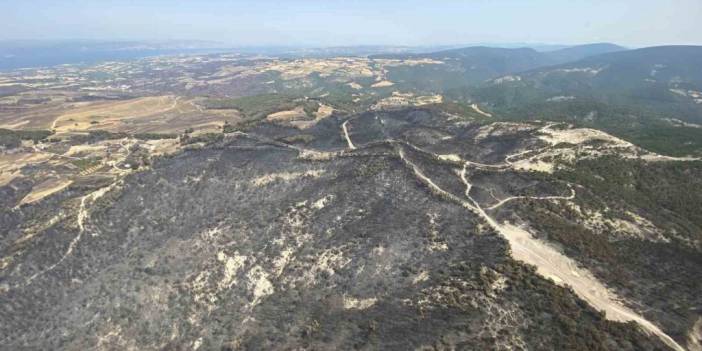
x: 549, y: 261
x: 81, y: 218
x: 504, y: 201
x: 478, y: 110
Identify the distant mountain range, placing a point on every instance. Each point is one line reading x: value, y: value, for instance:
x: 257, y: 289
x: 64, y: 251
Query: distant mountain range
x: 663, y: 64
x: 645, y: 95
x: 479, y: 63
x: 40, y: 53
x: 665, y: 79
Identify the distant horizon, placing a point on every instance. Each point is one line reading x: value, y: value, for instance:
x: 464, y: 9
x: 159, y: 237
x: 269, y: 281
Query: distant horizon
x: 217, y: 44
x: 336, y: 23
x: 28, y: 53
x: 38, y: 53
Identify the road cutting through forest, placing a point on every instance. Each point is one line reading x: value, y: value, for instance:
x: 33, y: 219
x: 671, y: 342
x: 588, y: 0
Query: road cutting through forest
x: 547, y: 259
x: 81, y: 218
x: 503, y: 201
x: 346, y: 134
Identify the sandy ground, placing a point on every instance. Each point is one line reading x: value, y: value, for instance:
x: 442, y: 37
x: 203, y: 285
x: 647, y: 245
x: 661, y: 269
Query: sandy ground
x: 351, y: 303
x: 428, y: 100
x: 44, y: 189
x: 346, y: 67
x: 355, y: 85
x: 285, y: 176
x: 160, y: 114
x: 289, y: 115
x: 695, y: 336
x: 579, y: 136
x: 323, y: 111
x: 383, y: 84
x: 299, y: 119
x: 551, y: 263
x: 502, y: 128
x: 35, y: 117
x: 450, y: 157
x: 661, y: 158
x: 399, y: 99
x: 12, y: 163
x: 530, y: 164
x: 108, y: 115
x: 512, y: 198
x: 58, y: 170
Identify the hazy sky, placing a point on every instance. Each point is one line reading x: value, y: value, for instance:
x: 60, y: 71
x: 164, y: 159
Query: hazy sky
x: 332, y: 22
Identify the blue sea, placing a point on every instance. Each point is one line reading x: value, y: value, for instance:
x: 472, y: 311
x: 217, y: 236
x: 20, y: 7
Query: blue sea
x: 32, y: 56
